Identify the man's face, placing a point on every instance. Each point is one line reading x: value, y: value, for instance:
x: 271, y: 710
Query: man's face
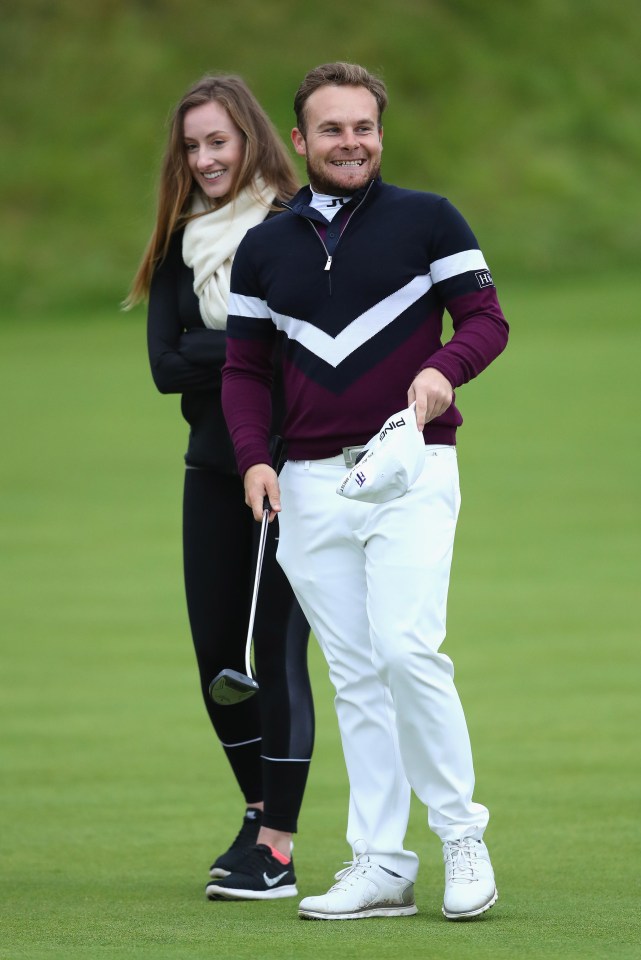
x: 342, y: 143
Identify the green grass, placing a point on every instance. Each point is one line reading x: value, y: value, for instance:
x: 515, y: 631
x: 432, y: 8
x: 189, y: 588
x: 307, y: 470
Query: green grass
x: 115, y: 797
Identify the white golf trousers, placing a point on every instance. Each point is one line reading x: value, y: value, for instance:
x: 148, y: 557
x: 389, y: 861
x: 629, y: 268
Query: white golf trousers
x: 372, y: 580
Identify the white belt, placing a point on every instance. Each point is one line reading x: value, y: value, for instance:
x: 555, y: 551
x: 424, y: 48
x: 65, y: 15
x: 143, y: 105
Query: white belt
x: 350, y: 455
x: 347, y: 458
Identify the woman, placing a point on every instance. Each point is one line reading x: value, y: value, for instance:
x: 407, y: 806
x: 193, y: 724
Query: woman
x: 224, y: 171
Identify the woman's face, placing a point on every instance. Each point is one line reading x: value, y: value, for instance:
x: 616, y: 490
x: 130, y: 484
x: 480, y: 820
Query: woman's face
x: 214, y: 146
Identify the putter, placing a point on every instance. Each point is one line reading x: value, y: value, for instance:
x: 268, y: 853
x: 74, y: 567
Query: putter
x: 231, y: 686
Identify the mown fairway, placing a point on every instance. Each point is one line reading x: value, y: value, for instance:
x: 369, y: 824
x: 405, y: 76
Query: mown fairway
x: 114, y: 795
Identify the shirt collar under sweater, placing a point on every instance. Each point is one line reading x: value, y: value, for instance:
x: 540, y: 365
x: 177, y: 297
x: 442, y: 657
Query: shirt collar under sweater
x: 301, y: 203
x: 328, y: 204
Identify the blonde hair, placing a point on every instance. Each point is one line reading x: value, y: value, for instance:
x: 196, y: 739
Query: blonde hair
x: 264, y: 155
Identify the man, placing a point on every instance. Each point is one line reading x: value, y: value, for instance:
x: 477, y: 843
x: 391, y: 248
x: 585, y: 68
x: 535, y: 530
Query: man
x: 353, y: 280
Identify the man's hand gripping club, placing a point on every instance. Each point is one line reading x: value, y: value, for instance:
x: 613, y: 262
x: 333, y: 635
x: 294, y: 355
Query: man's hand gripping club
x: 261, y: 481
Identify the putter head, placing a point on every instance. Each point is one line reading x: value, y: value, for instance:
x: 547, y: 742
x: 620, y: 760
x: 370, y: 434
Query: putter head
x: 231, y: 686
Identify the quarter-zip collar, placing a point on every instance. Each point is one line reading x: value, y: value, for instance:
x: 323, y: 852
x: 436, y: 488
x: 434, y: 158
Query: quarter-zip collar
x: 300, y: 204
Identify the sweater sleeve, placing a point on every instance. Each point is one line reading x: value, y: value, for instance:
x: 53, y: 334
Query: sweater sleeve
x: 248, y: 370
x: 180, y: 359
x: 465, y: 287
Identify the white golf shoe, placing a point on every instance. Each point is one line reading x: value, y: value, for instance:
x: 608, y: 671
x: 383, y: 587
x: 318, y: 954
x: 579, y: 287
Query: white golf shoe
x: 469, y: 879
x: 364, y: 889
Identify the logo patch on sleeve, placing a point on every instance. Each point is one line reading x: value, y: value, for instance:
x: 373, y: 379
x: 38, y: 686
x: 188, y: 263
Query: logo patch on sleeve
x: 484, y: 278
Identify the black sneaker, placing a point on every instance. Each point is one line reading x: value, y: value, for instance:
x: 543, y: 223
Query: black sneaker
x: 260, y: 877
x: 229, y: 862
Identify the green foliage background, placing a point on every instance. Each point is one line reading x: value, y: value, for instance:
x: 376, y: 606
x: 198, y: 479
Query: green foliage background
x: 525, y: 114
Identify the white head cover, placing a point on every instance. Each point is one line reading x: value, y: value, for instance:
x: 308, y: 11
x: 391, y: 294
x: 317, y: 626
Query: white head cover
x: 394, y: 460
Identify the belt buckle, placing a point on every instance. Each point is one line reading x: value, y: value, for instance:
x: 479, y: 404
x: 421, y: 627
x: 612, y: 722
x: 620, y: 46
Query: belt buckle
x: 352, y: 455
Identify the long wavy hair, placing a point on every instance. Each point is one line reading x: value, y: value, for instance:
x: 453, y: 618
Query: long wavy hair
x: 264, y: 155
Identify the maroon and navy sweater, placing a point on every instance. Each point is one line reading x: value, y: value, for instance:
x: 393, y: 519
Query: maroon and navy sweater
x: 358, y: 305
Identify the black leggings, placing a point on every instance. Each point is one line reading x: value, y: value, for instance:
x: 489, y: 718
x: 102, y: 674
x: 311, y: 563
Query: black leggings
x: 269, y: 738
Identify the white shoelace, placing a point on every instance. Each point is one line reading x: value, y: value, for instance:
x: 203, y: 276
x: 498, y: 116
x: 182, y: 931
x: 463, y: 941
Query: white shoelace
x: 461, y: 860
x: 361, y: 863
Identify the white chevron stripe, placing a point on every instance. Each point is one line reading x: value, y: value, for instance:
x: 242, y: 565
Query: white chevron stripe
x: 334, y: 350
x: 458, y: 263
x: 240, y: 306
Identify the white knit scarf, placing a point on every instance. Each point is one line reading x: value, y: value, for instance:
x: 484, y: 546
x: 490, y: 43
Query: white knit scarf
x: 210, y: 242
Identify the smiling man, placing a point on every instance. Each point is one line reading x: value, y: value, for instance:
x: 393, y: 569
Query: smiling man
x: 350, y: 285
x: 341, y: 137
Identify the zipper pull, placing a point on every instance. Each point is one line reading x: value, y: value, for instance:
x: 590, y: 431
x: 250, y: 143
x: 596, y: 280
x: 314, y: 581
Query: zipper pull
x: 329, y: 263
